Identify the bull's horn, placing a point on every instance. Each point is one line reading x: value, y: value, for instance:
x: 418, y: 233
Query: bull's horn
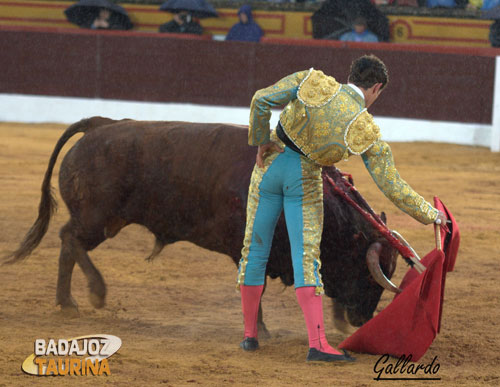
x: 373, y: 262
x: 417, y: 264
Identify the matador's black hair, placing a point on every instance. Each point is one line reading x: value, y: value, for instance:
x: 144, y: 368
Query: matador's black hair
x: 367, y: 71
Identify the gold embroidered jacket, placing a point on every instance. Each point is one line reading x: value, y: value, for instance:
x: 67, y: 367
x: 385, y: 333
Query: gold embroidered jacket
x: 328, y: 122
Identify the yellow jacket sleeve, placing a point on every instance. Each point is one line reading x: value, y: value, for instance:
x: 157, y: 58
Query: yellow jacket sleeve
x: 380, y: 164
x: 282, y: 92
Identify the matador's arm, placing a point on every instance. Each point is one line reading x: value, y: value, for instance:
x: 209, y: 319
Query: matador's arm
x: 380, y: 163
x: 282, y: 92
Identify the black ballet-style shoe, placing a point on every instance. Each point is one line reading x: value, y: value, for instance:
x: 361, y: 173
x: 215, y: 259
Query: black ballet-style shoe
x: 249, y: 344
x: 315, y: 355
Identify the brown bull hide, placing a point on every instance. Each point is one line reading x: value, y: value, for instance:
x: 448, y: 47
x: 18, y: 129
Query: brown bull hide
x: 188, y: 181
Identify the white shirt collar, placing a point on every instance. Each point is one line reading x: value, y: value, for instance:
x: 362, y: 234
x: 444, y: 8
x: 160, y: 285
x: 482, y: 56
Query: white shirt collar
x: 357, y: 90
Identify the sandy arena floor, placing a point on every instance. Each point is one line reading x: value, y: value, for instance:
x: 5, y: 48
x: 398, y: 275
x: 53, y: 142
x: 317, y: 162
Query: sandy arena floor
x: 179, y: 317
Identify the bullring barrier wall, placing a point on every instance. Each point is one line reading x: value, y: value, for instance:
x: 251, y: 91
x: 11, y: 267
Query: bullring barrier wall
x: 159, y: 68
x: 456, y: 85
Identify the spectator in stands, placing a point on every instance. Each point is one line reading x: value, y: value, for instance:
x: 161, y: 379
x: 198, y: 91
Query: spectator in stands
x: 483, y: 4
x: 102, y: 20
x: 182, y: 23
x: 382, y: 2
x: 247, y: 30
x: 411, y: 3
x: 487, y: 5
x: 359, y: 33
x: 494, y: 35
x: 441, y: 3
x: 98, y: 14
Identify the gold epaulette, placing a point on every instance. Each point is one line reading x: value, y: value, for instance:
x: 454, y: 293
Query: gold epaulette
x: 317, y: 89
x: 361, y: 133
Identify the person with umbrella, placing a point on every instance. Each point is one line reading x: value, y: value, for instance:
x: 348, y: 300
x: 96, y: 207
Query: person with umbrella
x: 336, y: 17
x: 185, y: 12
x: 491, y: 11
x: 483, y: 5
x: 359, y: 33
x: 183, y: 23
x: 323, y: 122
x: 102, y: 20
x: 98, y: 14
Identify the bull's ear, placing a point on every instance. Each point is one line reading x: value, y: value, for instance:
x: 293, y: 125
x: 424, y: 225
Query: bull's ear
x: 383, y: 217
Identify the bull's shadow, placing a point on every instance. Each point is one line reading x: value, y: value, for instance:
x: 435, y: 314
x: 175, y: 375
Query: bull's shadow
x: 187, y: 181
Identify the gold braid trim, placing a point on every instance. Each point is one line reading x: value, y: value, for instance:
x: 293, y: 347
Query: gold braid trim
x: 253, y: 204
x: 312, y: 217
x: 317, y: 89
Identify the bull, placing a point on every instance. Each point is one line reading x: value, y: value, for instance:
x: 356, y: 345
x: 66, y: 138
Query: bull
x: 189, y: 182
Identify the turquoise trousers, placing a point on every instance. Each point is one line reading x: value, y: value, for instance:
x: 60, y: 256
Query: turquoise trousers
x: 293, y: 183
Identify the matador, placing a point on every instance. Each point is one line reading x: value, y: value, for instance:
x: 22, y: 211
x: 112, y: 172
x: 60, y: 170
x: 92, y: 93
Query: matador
x: 322, y: 123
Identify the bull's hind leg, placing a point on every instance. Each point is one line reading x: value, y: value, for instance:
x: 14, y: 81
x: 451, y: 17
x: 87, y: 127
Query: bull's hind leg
x: 97, y: 287
x: 66, y: 265
x: 72, y: 251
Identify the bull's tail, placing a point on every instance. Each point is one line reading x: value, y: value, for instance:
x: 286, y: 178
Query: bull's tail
x: 48, y: 204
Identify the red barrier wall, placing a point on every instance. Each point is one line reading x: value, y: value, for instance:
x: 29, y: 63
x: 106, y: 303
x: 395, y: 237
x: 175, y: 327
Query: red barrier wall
x: 156, y: 67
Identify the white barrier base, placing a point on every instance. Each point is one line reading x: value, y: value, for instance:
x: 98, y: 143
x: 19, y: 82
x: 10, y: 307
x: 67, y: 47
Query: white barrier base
x: 42, y: 109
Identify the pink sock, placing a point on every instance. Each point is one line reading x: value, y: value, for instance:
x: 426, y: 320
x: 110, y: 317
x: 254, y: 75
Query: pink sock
x: 312, y: 307
x: 250, y: 300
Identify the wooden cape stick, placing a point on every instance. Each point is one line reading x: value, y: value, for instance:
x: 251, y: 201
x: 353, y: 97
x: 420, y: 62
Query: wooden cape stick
x: 405, y: 251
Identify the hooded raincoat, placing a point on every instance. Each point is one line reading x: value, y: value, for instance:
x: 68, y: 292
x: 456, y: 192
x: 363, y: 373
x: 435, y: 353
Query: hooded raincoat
x: 246, y: 32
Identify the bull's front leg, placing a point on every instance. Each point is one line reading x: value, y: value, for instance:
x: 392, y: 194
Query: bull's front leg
x: 339, y: 317
x: 261, y: 326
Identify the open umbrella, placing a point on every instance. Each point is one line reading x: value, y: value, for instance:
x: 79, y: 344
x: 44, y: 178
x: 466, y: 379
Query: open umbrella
x: 197, y: 8
x: 336, y: 17
x: 84, y: 13
x: 409, y: 324
x: 491, y: 14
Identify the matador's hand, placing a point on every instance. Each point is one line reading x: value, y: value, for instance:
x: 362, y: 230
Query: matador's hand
x: 442, y: 220
x: 264, y: 150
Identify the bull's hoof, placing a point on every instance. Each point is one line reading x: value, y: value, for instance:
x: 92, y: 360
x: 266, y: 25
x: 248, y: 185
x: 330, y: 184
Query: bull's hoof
x: 249, y: 344
x: 97, y: 293
x: 69, y: 311
x: 356, y: 321
x: 342, y: 325
x: 96, y: 300
x: 69, y: 307
x: 263, y: 332
x: 315, y: 355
